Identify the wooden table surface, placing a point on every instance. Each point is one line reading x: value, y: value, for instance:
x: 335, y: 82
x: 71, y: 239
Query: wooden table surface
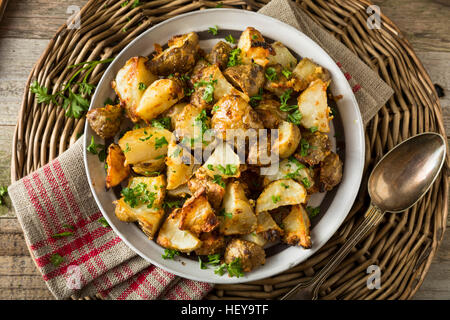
x: 25, y: 31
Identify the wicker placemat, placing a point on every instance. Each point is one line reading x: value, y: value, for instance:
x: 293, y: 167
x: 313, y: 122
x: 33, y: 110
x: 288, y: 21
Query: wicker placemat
x: 403, y: 245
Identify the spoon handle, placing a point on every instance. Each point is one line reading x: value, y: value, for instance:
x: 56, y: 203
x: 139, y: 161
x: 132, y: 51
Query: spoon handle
x: 310, y: 288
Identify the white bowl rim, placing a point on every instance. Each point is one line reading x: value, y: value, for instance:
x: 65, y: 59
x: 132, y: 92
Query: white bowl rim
x: 350, y: 195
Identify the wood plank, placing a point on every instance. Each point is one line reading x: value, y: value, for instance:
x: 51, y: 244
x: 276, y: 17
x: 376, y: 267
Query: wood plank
x: 424, y: 22
x: 6, y: 136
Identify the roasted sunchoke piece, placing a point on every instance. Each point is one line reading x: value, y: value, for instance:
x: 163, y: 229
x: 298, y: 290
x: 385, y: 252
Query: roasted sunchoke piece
x: 171, y: 237
x: 212, y: 243
x: 159, y: 97
x: 278, y: 80
x: 250, y: 255
x: 330, y: 172
x: 142, y: 201
x: 214, y: 191
x: 254, y: 48
x: 297, y: 227
x: 180, y: 165
x: 249, y: 78
x: 306, y: 72
x: 313, y: 105
x: 280, y: 193
x: 292, y: 169
x: 223, y: 162
x: 313, y: 148
x: 219, y: 54
x: 197, y: 214
x: 233, y: 112
x: 282, y: 56
x: 237, y: 215
x: 267, y: 227
x: 179, y: 57
x: 130, y: 84
x: 269, y: 112
x: 116, y: 170
x: 105, y: 121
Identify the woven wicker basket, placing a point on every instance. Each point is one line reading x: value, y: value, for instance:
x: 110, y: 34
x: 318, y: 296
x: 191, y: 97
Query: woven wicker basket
x: 403, y: 245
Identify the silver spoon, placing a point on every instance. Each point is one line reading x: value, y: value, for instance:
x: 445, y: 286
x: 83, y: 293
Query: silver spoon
x: 398, y: 181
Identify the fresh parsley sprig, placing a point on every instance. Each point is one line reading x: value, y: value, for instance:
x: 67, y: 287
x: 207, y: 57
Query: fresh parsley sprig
x: 73, y: 101
x: 234, y: 268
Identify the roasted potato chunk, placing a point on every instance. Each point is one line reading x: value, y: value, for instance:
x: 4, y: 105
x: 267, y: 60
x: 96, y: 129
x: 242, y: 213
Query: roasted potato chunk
x: 223, y: 162
x: 247, y: 77
x: 116, y: 170
x: 282, y: 56
x: 330, y: 172
x: 237, y: 214
x: 197, y: 215
x: 105, y: 121
x: 292, y: 169
x: 234, y: 113
x: 267, y: 227
x: 173, y: 112
x: 306, y: 72
x: 159, y: 97
x: 313, y: 105
x: 250, y: 255
x: 219, y: 54
x: 288, y: 139
x: 179, y: 57
x: 212, y: 243
x: 190, y: 124
x: 280, y: 193
x: 129, y: 82
x: 145, y: 145
x: 180, y: 166
x: 146, y: 204
x: 254, y: 48
x: 214, y: 191
x: 296, y: 227
x: 314, y: 148
x: 171, y: 237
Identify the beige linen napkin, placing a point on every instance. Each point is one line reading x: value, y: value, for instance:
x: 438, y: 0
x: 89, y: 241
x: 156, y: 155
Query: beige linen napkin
x: 91, y: 259
x: 370, y: 91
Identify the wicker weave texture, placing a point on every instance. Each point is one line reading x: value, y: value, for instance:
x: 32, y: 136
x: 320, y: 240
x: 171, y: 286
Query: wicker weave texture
x: 403, y: 245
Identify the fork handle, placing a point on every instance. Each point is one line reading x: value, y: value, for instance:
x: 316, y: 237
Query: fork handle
x: 373, y: 216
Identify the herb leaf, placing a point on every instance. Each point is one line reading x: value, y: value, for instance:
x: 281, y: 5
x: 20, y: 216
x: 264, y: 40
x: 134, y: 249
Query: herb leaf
x: 104, y: 222
x: 169, y: 254
x: 234, y: 58
x: 56, y: 259
x: 313, y: 211
x: 230, y: 39
x: 62, y: 234
x: 214, y: 30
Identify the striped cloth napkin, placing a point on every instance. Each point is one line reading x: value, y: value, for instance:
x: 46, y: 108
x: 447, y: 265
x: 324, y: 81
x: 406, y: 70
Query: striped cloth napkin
x: 77, y: 255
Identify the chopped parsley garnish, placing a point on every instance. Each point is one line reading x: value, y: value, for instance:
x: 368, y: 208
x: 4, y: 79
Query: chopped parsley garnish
x: 172, y: 204
x: 234, y: 268
x: 208, y: 95
x: 254, y: 37
x: 202, y: 264
x: 295, y: 117
x: 142, y: 86
x: 306, y: 182
x: 254, y: 101
x: 284, y: 185
x: 210, y: 167
x: 139, y: 195
x: 218, y: 179
x: 214, y: 259
x: 234, y: 58
x: 214, y: 30
x: 219, y: 5
x: 287, y: 73
x: 68, y: 226
x: 276, y: 199
x: 160, y: 142
x: 127, y: 148
x: 56, y: 259
x: 3, y: 194
x: 202, y: 121
x: 62, y: 234
x: 230, y: 39
x: 104, y: 222
x: 296, y: 173
x: 188, y: 92
x: 271, y: 74
x: 215, y: 108
x: 135, y: 4
x: 313, y: 129
x: 313, y: 211
x: 170, y: 254
x: 98, y: 149
x: 228, y: 170
x: 304, y: 147
x: 162, y: 123
x: 225, y: 214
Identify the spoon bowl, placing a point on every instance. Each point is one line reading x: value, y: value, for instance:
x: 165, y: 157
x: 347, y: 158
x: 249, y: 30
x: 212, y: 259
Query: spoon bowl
x: 406, y: 173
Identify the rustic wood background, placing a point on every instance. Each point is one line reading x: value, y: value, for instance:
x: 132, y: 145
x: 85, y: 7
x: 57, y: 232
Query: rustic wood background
x: 25, y: 30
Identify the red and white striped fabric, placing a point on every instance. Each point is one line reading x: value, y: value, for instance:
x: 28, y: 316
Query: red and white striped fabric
x: 93, y: 260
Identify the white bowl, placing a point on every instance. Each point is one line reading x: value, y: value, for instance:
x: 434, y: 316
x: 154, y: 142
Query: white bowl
x: 339, y: 203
